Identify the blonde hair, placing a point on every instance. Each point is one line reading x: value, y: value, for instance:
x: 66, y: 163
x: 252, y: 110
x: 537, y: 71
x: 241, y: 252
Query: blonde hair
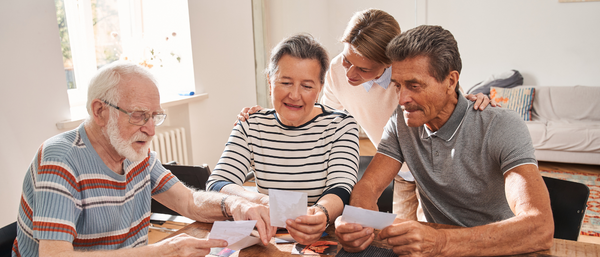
x: 369, y: 32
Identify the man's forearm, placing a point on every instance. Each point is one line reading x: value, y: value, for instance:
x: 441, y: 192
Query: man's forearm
x: 512, y: 236
x: 363, y: 196
x: 170, y: 247
x: 207, y: 206
x: 380, y: 172
x: 233, y: 189
x: 198, y: 205
x: 65, y: 249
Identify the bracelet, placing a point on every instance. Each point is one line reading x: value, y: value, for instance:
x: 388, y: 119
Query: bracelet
x: 223, y: 210
x: 325, y: 211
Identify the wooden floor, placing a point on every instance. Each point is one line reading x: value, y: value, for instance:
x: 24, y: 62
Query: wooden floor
x: 367, y: 148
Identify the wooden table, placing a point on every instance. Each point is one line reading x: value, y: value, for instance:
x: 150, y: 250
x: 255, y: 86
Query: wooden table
x: 565, y: 248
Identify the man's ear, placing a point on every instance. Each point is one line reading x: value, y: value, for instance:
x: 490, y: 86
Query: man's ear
x: 100, y: 113
x: 452, y: 80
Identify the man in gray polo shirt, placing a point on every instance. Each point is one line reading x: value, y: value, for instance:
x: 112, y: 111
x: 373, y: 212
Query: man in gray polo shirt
x: 474, y: 169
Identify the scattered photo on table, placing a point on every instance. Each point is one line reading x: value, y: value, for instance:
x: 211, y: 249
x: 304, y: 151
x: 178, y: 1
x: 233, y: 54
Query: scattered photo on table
x: 317, y: 248
x: 220, y: 252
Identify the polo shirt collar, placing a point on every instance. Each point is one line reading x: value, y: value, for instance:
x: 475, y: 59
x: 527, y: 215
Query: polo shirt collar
x: 449, y: 129
x: 383, y: 81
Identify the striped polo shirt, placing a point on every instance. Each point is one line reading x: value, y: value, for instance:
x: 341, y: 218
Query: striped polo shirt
x: 69, y: 194
x: 319, y: 157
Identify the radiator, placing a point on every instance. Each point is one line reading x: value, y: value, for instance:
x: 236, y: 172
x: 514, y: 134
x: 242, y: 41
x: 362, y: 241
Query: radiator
x: 171, y: 145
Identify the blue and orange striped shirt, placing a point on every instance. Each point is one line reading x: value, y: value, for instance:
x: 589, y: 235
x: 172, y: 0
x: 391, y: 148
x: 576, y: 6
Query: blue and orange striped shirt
x: 69, y: 194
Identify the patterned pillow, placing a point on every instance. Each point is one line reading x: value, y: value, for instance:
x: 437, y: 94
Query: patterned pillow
x: 519, y: 99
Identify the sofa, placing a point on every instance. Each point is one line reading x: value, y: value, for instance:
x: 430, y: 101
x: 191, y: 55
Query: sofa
x: 565, y: 124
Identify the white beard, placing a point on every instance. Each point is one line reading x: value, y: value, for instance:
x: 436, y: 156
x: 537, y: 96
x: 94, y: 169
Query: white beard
x: 124, y: 147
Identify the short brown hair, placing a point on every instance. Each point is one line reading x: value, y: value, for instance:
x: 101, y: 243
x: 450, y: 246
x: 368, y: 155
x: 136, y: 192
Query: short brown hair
x: 369, y: 32
x: 433, y: 42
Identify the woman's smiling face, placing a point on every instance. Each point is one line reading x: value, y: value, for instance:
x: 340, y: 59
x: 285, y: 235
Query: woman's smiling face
x: 295, y: 88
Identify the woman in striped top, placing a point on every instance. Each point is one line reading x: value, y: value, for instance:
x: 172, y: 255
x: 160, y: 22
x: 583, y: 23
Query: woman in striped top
x: 299, y: 146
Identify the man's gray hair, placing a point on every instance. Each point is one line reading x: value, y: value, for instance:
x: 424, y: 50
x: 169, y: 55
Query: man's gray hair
x: 302, y: 46
x: 104, y: 84
x: 433, y: 42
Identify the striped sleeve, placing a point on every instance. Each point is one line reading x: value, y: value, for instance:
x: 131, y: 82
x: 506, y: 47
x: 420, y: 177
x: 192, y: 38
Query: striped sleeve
x: 56, y: 185
x: 342, y: 166
x: 161, y: 178
x: 235, y: 162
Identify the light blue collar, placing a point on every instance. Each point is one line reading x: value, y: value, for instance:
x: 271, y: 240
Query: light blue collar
x: 383, y: 81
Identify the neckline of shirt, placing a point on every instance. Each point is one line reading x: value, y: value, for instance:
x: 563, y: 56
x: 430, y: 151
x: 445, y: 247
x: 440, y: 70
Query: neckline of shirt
x: 383, y: 81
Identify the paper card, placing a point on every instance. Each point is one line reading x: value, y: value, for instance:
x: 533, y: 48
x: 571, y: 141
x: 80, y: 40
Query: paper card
x: 230, y: 249
x: 317, y: 248
x: 367, y: 218
x: 284, y: 205
x: 245, y: 242
x: 231, y: 231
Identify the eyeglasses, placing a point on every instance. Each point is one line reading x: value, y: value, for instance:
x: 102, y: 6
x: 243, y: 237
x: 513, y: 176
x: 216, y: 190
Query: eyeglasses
x: 140, y: 118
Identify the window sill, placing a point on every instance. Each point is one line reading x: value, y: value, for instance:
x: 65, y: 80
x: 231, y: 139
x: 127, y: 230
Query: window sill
x: 79, y: 114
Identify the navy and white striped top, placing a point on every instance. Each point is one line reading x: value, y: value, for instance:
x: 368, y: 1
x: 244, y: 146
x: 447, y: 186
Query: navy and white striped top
x: 319, y: 157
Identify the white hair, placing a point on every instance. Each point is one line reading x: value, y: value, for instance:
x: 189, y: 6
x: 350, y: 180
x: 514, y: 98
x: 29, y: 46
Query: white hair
x: 104, y: 85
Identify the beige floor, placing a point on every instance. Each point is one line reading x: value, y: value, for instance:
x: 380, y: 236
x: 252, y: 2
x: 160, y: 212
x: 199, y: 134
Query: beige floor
x: 367, y: 148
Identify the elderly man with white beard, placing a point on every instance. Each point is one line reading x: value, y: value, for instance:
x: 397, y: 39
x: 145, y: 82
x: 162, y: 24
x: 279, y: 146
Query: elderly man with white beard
x: 87, y: 191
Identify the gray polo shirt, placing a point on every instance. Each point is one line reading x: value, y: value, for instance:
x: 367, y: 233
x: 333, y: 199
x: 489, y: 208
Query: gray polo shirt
x: 460, y: 168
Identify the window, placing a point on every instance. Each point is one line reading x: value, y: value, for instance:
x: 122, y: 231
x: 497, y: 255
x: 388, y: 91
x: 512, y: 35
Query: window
x: 153, y: 33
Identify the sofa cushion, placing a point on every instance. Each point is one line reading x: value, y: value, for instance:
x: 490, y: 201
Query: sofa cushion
x: 537, y: 129
x: 570, y: 103
x: 518, y: 99
x: 571, y: 136
x: 507, y: 79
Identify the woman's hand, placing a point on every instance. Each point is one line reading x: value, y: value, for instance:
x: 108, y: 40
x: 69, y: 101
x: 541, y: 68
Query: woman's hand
x: 308, y: 229
x: 481, y: 101
x: 245, y: 113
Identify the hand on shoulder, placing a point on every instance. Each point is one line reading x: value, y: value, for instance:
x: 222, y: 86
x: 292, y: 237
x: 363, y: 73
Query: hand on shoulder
x: 481, y: 101
x: 245, y: 113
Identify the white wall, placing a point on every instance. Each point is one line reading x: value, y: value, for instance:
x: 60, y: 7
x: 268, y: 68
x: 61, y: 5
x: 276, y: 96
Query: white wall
x: 223, y: 52
x: 33, y: 95
x: 550, y: 43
